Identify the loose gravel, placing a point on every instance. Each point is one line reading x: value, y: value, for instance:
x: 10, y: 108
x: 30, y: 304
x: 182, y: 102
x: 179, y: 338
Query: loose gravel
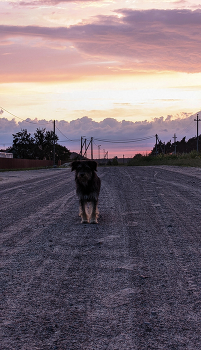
x: 132, y: 282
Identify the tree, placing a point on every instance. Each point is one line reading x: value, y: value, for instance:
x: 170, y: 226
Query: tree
x: 61, y: 153
x: 39, y: 147
x: 192, y: 143
x: 138, y: 156
x: 39, y: 150
x: 160, y: 148
x: 169, y: 147
x: 48, y: 144
x: 182, y: 146
x: 44, y: 141
x: 23, y: 145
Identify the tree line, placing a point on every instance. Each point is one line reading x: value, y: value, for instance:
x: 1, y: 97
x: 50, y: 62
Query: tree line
x: 182, y: 146
x: 40, y: 146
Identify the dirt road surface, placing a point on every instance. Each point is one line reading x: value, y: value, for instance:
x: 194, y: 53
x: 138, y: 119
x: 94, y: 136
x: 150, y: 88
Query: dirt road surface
x: 131, y: 282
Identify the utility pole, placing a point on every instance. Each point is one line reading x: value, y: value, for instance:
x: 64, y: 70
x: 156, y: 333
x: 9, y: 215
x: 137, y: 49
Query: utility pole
x: 156, y: 144
x: 82, y: 144
x: 106, y: 155
x: 99, y: 152
x: 54, y: 143
x: 197, y: 120
x: 175, y: 146
x: 92, y: 148
x: 81, y: 147
x: 85, y: 143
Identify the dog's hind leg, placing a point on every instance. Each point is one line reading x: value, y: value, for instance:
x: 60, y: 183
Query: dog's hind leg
x: 83, y: 213
x: 93, y: 219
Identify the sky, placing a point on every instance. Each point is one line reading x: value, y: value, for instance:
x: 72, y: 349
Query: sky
x: 109, y: 69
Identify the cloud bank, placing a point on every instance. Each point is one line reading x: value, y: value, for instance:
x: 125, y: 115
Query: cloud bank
x: 125, y: 42
x: 109, y: 129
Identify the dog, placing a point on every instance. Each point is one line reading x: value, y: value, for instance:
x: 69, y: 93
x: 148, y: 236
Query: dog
x: 88, y: 186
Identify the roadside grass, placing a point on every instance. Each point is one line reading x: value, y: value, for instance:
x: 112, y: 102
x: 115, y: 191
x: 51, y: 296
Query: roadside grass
x: 24, y: 169
x: 192, y: 159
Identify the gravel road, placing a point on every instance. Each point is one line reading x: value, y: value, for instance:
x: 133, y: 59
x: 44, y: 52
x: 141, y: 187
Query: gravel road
x: 131, y: 282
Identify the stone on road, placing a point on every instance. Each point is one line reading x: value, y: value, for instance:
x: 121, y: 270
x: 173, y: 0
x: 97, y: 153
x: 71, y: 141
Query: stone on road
x: 132, y: 282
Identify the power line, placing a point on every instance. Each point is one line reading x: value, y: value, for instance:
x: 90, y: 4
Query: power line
x: 75, y: 140
x: 186, y: 128
x: 125, y: 141
x: 96, y: 144
x: 24, y: 120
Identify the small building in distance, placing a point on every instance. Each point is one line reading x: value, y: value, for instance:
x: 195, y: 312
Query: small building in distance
x: 6, y: 155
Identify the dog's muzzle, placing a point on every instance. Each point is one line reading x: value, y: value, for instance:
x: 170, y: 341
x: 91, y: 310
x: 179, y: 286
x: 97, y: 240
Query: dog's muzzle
x: 84, y: 177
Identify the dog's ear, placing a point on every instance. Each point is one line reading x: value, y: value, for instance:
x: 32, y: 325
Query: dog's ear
x: 74, y: 165
x: 93, y: 165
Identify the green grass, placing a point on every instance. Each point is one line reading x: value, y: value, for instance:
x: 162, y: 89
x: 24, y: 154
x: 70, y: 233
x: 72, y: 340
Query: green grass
x: 192, y: 159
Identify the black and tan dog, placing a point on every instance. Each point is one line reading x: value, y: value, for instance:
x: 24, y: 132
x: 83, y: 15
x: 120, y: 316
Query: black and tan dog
x: 87, y: 188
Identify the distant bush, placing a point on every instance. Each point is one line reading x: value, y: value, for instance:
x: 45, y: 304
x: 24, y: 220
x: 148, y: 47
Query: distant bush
x: 138, y: 156
x: 115, y: 161
x: 185, y: 159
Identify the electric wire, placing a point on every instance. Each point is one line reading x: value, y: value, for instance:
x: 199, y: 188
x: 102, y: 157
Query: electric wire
x: 75, y: 140
x: 186, y: 128
x: 95, y: 143
x: 24, y: 120
x: 125, y: 141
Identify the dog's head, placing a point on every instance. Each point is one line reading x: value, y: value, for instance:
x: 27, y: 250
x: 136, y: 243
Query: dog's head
x: 84, y: 170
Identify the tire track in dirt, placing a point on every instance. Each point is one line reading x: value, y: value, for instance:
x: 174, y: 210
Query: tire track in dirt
x: 169, y: 266
x: 33, y: 261
x: 32, y: 197
x: 18, y: 235
x: 13, y: 195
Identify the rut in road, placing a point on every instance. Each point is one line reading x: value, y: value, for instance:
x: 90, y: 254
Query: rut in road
x: 131, y: 282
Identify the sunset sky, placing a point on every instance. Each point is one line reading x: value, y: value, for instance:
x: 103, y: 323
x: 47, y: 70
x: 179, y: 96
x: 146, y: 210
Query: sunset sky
x: 115, y: 70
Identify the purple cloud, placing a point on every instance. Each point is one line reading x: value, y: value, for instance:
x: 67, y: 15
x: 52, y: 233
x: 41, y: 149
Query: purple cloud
x: 166, y: 17
x: 109, y: 129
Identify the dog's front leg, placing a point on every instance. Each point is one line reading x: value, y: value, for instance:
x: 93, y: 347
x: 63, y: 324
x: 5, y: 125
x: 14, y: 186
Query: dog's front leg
x: 83, y: 213
x: 94, y: 214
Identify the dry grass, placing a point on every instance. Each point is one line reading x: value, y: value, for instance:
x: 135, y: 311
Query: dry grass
x: 192, y: 159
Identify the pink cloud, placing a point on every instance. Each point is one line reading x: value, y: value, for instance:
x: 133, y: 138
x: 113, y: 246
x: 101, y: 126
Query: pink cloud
x: 137, y: 41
